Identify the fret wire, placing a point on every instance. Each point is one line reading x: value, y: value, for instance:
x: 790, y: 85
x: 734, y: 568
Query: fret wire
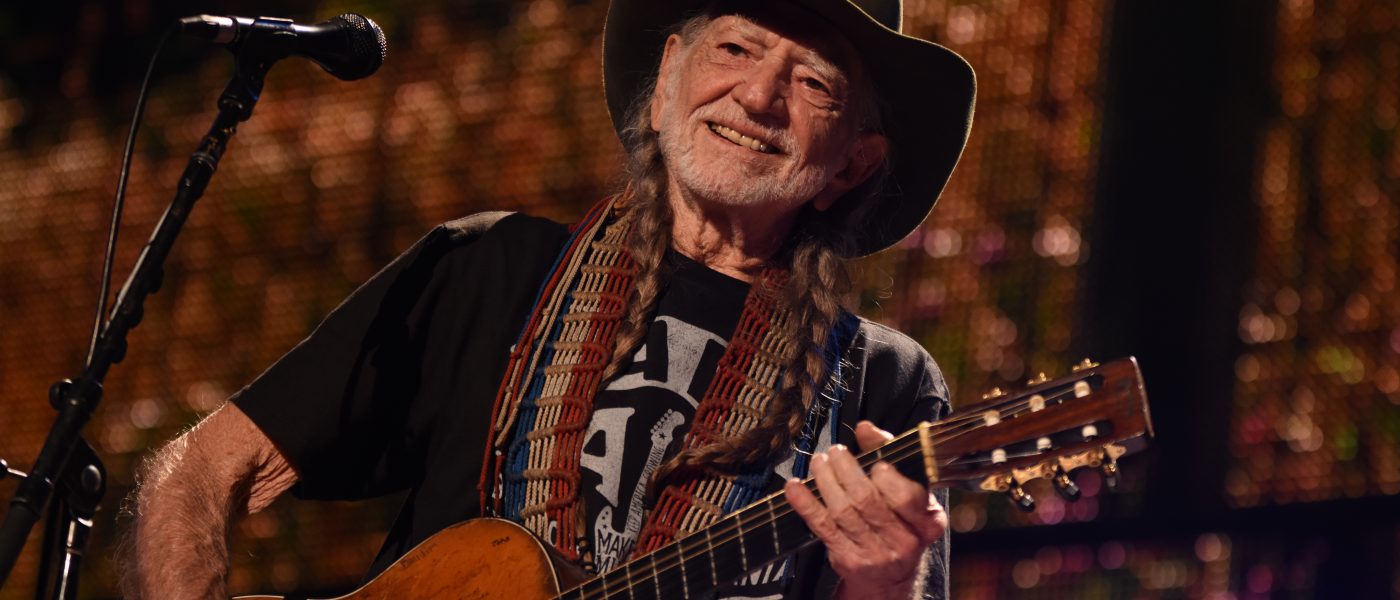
x: 743, y: 553
x: 773, y: 527
x: 685, y: 577
x: 655, y: 579
x: 905, y: 446
x: 714, y: 572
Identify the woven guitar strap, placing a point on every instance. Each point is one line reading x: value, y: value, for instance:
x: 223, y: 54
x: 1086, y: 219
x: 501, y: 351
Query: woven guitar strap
x: 545, y: 400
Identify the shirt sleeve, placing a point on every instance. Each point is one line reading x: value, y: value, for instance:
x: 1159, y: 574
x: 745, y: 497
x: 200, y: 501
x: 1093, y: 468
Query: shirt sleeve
x: 895, y: 385
x: 353, y: 406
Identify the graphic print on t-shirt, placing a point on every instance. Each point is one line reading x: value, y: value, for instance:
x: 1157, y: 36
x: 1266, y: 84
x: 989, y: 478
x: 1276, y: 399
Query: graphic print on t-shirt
x: 653, y: 398
x: 641, y: 416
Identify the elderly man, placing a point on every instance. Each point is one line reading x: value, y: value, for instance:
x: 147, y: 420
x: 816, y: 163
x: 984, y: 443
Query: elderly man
x: 618, y: 384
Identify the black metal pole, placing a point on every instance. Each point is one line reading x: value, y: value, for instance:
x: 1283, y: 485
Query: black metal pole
x: 81, y: 489
x: 79, y: 398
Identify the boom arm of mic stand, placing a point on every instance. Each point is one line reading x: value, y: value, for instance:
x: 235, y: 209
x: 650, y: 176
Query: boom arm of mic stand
x: 82, y: 395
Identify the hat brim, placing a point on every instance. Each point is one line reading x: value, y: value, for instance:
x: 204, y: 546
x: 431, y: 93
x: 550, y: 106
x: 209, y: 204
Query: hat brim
x: 929, y: 91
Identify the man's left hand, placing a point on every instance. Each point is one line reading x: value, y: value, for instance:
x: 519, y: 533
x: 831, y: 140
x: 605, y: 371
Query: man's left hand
x: 875, y: 527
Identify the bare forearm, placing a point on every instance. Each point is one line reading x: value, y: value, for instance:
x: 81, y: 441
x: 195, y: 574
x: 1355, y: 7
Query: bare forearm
x: 181, y: 526
x: 189, y: 495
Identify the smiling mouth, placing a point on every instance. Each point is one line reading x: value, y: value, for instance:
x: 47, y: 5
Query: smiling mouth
x: 740, y: 139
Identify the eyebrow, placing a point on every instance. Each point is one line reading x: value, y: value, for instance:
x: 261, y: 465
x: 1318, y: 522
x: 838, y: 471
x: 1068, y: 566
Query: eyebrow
x: 825, y: 68
x: 810, y: 57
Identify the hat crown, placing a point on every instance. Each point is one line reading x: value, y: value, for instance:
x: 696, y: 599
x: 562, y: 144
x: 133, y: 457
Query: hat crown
x: 887, y: 12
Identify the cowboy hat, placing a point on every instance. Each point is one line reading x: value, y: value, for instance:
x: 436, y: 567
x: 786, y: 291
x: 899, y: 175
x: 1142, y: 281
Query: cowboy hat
x: 928, y: 89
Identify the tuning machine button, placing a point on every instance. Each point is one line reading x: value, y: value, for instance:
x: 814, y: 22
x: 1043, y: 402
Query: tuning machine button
x: 1064, y: 485
x: 1019, y: 497
x: 1109, y: 469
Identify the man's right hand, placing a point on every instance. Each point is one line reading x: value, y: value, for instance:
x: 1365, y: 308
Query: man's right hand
x: 188, y: 496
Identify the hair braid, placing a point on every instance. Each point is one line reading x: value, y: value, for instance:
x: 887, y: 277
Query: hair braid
x: 817, y: 285
x: 644, y: 203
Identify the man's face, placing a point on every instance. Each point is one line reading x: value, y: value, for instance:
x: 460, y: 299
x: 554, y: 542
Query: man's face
x: 756, y: 115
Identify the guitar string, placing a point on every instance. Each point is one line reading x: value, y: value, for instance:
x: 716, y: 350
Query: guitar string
x: 905, y: 447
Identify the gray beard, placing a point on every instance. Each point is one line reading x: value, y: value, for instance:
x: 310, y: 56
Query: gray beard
x: 738, y: 187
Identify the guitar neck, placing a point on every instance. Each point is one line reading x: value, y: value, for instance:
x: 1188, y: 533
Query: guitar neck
x: 1047, y: 431
x: 737, y: 544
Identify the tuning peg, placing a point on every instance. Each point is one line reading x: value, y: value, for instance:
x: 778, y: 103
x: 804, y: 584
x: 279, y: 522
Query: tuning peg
x: 1084, y: 364
x: 1019, y: 497
x: 1064, y: 485
x: 1089, y: 432
x: 995, y: 393
x: 1109, y: 468
x: 1037, y: 380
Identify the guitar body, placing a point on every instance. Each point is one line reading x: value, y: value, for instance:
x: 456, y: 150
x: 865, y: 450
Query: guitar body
x: 480, y: 559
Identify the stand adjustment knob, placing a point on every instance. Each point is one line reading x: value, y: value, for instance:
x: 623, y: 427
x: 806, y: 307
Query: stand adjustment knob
x: 58, y: 391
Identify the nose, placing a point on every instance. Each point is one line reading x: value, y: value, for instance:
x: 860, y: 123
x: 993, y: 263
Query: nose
x: 763, y: 89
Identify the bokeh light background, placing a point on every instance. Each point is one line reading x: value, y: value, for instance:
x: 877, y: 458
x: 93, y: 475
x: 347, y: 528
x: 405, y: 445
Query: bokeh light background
x: 487, y: 104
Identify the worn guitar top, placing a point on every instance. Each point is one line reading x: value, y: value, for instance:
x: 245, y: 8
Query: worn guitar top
x: 393, y: 390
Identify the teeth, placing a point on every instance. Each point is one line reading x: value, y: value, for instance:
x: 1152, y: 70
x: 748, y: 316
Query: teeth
x: 741, y: 139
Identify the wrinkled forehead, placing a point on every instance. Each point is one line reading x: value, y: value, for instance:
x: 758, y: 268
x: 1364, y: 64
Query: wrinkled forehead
x: 787, y: 20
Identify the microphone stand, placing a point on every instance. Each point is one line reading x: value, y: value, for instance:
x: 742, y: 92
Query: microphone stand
x: 67, y: 467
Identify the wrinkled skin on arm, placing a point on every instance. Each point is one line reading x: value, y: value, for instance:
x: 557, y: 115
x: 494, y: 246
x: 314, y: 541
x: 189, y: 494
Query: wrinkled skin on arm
x: 189, y: 495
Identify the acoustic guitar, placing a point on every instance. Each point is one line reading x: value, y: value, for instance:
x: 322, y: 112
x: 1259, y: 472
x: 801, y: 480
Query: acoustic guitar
x: 1048, y: 431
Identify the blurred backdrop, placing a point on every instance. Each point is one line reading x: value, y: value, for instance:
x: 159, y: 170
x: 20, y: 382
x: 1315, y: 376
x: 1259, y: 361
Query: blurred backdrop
x: 1209, y: 186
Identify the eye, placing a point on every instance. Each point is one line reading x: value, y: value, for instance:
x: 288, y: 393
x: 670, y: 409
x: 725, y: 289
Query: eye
x: 815, y: 85
x: 733, y: 49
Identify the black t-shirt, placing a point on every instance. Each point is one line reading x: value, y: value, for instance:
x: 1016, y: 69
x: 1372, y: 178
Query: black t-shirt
x: 393, y: 391
x: 641, y: 415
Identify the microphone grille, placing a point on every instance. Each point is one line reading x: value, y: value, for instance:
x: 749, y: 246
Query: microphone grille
x: 367, y: 43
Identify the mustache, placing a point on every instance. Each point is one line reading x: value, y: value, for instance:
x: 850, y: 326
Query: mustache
x: 736, y: 119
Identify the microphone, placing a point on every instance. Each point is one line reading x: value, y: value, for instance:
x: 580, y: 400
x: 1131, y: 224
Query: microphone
x: 349, y: 46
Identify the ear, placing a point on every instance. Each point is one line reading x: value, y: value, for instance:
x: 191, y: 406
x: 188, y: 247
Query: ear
x: 670, y: 59
x: 862, y: 159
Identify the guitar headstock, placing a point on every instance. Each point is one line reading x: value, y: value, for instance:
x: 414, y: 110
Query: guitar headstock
x: 1049, y: 430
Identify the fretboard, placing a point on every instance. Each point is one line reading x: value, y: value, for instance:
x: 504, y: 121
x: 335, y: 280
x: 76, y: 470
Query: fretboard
x: 737, y: 544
